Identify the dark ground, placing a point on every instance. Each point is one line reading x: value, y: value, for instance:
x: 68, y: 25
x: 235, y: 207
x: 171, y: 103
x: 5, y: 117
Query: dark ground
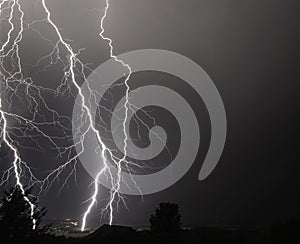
x: 279, y: 233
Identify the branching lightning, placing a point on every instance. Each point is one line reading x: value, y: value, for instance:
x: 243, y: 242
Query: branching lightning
x: 116, y: 185
x: 16, y: 163
x: 5, y: 136
x: 15, y: 126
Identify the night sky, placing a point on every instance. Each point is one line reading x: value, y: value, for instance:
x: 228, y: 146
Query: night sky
x: 250, y: 49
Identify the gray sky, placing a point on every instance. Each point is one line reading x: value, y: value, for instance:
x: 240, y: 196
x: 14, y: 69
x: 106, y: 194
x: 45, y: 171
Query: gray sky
x: 249, y: 49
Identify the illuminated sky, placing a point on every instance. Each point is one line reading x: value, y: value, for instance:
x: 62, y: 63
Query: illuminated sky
x: 249, y: 50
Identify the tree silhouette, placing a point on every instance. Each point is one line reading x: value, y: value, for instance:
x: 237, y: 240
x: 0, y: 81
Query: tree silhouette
x: 166, y: 218
x: 15, y: 217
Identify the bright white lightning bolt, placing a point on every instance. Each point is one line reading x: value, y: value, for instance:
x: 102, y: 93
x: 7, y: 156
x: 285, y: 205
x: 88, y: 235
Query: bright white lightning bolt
x: 16, y: 162
x: 14, y: 80
x: 72, y: 61
x: 116, y: 187
x: 5, y: 136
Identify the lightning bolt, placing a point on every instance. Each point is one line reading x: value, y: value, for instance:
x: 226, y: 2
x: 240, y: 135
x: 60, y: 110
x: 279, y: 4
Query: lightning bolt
x: 116, y: 186
x: 16, y: 85
x: 5, y: 136
x: 16, y: 162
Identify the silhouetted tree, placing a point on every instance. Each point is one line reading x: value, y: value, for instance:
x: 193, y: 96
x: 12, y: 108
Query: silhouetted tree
x: 15, y: 216
x: 166, y: 218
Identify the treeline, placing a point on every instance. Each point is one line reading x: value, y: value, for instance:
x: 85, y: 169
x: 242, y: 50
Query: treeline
x: 166, y: 227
